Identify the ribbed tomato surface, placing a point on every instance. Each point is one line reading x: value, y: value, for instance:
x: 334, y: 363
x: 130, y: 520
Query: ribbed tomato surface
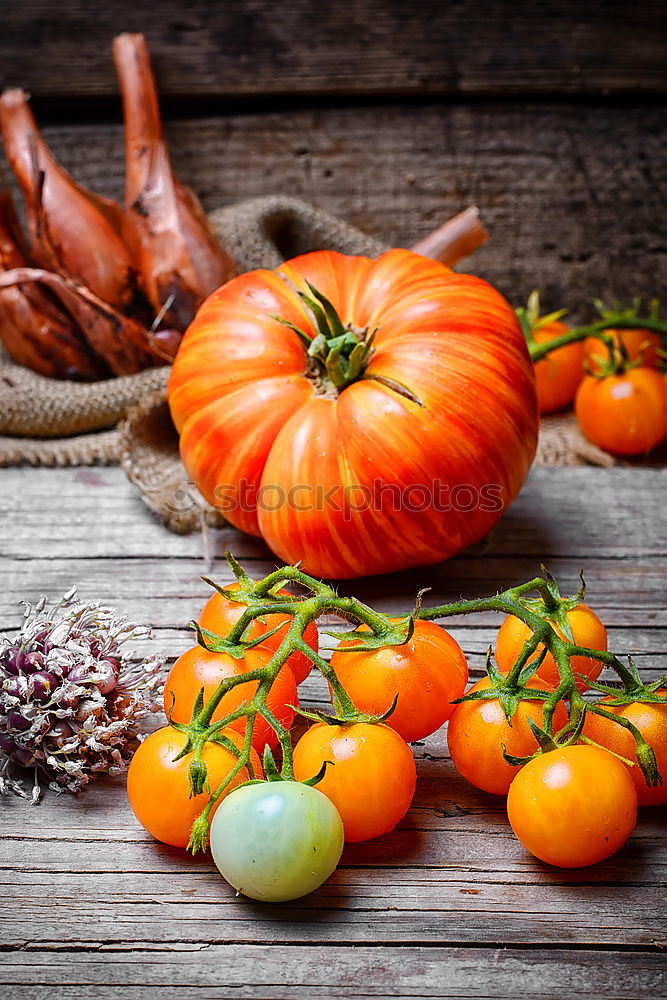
x: 371, y: 478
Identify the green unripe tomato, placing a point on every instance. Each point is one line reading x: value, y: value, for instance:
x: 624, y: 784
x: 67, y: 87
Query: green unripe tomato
x: 276, y: 840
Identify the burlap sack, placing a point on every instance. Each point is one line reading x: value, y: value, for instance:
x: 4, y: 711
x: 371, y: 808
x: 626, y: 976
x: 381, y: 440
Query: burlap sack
x: 50, y: 422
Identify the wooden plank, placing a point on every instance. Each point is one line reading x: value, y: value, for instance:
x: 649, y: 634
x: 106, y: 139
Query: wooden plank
x: 565, y: 215
x: 166, y: 593
x: 94, y: 907
x: 412, y: 883
x: 361, y: 906
x: 548, y: 520
x: 215, y: 970
x: 376, y: 47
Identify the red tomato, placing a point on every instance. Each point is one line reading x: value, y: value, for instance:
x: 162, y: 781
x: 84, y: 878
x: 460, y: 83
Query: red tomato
x: 219, y: 614
x: 558, y: 374
x: 158, y: 786
x: 573, y: 807
x: 651, y: 721
x: 199, y: 668
x: 623, y: 414
x: 427, y: 673
x: 407, y: 464
x: 478, y: 731
x: 642, y: 344
x: 373, y: 777
x: 587, y: 630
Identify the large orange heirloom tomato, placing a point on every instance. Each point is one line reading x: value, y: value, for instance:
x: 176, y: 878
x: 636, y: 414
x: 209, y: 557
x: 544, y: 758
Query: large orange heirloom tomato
x: 360, y: 415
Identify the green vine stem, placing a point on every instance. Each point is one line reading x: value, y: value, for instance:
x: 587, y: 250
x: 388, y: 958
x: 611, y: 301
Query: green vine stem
x: 616, y: 317
x: 537, y: 603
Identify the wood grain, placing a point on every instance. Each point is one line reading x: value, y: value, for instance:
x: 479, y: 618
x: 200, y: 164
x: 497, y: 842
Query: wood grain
x: 573, y: 199
x: 447, y: 905
x: 215, y: 970
x: 253, y: 47
x: 552, y: 518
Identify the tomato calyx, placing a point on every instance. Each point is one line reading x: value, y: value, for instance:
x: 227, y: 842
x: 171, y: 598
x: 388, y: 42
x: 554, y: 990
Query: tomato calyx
x: 530, y: 319
x: 339, y: 352
x: 509, y: 690
x: 551, y: 605
x: 568, y: 736
x: 617, y: 360
x: 382, y: 633
x: 634, y: 689
x: 347, y: 715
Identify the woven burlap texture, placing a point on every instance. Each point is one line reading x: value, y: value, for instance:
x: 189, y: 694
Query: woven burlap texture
x: 50, y: 422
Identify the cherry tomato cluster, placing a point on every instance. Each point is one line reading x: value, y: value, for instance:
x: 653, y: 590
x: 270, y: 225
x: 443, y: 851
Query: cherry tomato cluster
x: 365, y: 769
x: 576, y: 804
x: 613, y: 376
x: 210, y: 776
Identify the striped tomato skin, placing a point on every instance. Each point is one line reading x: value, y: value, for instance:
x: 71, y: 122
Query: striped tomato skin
x: 403, y: 467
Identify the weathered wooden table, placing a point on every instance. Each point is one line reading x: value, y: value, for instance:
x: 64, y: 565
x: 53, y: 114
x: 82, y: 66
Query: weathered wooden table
x: 449, y: 904
x: 551, y: 117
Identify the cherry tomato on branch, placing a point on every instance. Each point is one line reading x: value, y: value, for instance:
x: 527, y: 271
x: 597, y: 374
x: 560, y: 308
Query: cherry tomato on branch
x: 587, y: 630
x: 623, y: 414
x: 650, y: 718
x: 573, y: 807
x: 478, y: 731
x: 219, y: 614
x: 158, y: 787
x: 277, y: 840
x: 372, y: 780
x: 559, y: 373
x: 638, y: 344
x: 198, y: 667
x: 427, y: 673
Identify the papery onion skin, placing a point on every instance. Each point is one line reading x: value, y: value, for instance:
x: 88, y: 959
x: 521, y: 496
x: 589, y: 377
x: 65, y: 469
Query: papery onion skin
x: 82, y: 235
x: 179, y: 257
x: 250, y: 417
x: 34, y: 330
x: 118, y: 339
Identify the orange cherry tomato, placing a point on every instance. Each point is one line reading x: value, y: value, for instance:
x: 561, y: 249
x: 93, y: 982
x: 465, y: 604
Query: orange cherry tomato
x: 558, y: 374
x: 158, y: 787
x: 651, y: 721
x: 219, y: 614
x: 623, y: 414
x: 373, y: 778
x: 587, y: 630
x: 642, y: 344
x: 478, y: 731
x: 198, y: 668
x: 427, y: 673
x: 573, y: 807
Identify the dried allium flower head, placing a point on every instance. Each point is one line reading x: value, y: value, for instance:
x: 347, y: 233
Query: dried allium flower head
x: 71, y: 698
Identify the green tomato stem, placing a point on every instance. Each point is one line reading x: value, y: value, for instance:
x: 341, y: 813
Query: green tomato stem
x: 537, y: 613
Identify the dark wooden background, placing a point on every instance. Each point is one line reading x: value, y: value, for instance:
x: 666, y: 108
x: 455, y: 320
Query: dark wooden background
x: 550, y: 116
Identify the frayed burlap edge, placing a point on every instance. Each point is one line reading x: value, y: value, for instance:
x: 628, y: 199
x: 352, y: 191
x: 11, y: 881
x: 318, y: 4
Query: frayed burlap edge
x: 148, y: 454
x: 82, y: 449
x: 562, y: 443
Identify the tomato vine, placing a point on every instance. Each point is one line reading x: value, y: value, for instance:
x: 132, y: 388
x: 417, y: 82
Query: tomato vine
x: 616, y: 317
x: 538, y: 603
